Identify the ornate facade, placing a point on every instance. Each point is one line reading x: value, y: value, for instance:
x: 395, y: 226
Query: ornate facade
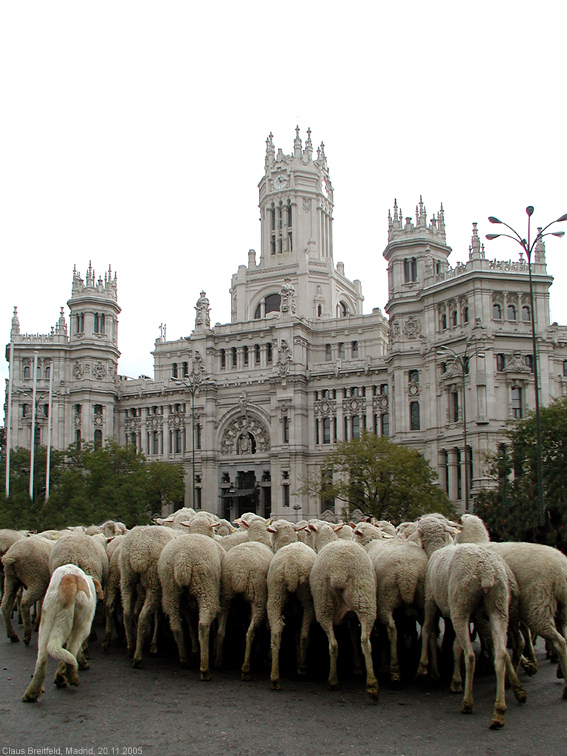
x: 253, y: 406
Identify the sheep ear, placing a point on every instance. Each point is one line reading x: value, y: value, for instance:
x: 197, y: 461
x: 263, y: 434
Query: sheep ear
x: 353, y: 525
x: 98, y: 589
x: 185, y: 523
x: 311, y: 526
x: 246, y: 524
x: 338, y: 526
x: 387, y: 535
x: 301, y: 527
x: 271, y: 529
x: 270, y: 521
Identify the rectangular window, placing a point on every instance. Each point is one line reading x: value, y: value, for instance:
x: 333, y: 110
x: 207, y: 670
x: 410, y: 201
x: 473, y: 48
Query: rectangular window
x: 327, y: 430
x: 354, y: 350
x: 355, y: 426
x: 341, y: 350
x: 257, y: 354
x: 328, y: 353
x: 246, y: 355
x: 516, y: 403
x: 269, y: 352
x: 198, y: 436
x: 286, y: 430
x: 222, y: 358
x: 413, y: 376
x: 385, y: 424
x: 455, y: 407
x: 414, y: 416
x: 286, y: 495
x: 97, y: 409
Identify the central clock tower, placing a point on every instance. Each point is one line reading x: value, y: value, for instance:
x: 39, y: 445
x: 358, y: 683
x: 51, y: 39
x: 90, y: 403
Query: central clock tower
x: 296, y: 214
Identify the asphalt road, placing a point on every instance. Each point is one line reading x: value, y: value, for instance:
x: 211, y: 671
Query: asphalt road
x: 163, y: 709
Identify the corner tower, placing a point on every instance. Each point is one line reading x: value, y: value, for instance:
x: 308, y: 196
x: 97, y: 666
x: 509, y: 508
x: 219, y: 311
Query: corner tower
x: 296, y: 214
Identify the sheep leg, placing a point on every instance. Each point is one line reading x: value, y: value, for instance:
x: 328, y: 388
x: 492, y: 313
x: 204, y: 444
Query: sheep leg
x: 257, y: 615
x: 528, y: 659
x: 275, y: 619
x: 33, y: 594
x: 221, y: 632
x: 194, y: 635
x: 354, y: 642
x: 11, y: 588
x: 428, y: 643
x: 463, y: 639
x: 154, y: 643
x: 205, y: 619
x: 128, y: 590
x: 327, y: 626
x: 560, y: 645
x: 306, y: 622
x: 171, y: 606
x: 457, y: 680
x: 388, y: 620
x: 35, y: 688
x: 144, y: 619
x: 372, y: 689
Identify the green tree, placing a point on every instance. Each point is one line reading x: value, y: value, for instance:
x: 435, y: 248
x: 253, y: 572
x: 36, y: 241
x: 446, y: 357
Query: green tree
x: 87, y: 485
x: 381, y: 478
x: 510, y: 509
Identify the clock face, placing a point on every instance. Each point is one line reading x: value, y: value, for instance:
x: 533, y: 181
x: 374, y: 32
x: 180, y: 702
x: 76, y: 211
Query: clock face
x: 280, y: 181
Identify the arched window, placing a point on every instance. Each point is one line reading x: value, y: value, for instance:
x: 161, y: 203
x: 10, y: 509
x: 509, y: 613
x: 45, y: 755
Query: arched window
x: 343, y: 310
x: 27, y: 372
x: 496, y: 311
x: 526, y: 314
x: 500, y: 362
x: 98, y: 439
x: 455, y: 318
x: 272, y: 304
x: 511, y: 312
x: 443, y: 322
x: 465, y: 314
x: 223, y: 358
x: 530, y: 361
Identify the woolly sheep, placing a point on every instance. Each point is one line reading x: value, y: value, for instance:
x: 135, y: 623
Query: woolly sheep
x: 461, y: 580
x: 112, y: 592
x: 201, y: 522
x: 541, y: 572
x: 400, y: 569
x: 26, y: 563
x: 342, y: 581
x: 139, y: 555
x: 289, y: 573
x: 283, y: 532
x: 7, y: 539
x: 190, y: 567
x: 87, y: 552
x: 68, y: 610
x: 473, y: 530
x: 244, y: 571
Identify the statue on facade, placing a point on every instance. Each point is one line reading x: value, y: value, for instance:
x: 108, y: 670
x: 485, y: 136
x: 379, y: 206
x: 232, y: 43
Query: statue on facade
x: 203, y: 316
x: 288, y: 297
x: 284, y: 358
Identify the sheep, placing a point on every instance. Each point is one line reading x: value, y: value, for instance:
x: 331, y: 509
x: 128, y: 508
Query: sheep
x: 139, y: 555
x: 399, y: 567
x: 541, y: 572
x: 87, y: 552
x: 7, y: 539
x: 252, y: 528
x: 68, y: 610
x: 112, y: 592
x: 461, y: 580
x: 289, y: 573
x: 342, y: 580
x: 190, y: 566
x: 201, y: 522
x: 283, y: 532
x: 473, y: 530
x: 365, y: 533
x: 244, y: 571
x: 26, y: 563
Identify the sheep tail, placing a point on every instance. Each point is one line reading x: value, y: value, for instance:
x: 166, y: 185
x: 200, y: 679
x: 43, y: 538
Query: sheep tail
x: 487, y: 575
x: 69, y: 586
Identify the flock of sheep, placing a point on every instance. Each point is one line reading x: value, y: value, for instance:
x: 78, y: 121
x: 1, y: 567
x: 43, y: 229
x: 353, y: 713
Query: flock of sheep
x: 191, y: 565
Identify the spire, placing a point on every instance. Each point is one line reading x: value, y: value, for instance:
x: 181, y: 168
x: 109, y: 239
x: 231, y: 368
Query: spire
x: 309, y: 145
x: 61, y: 326
x: 474, y: 249
x: 321, y: 157
x: 422, y: 217
x: 269, y: 152
x: 15, y: 323
x: 540, y: 249
x: 441, y: 219
x: 297, y: 143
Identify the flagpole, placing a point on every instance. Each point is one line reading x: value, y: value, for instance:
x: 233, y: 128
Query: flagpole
x: 48, y: 459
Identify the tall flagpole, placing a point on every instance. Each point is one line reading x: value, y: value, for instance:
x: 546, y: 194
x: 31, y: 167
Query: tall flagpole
x: 49, y: 405
x: 32, y: 441
x: 9, y: 419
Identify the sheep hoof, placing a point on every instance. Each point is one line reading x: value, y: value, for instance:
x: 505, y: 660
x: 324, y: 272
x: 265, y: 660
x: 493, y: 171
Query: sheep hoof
x: 74, y: 679
x: 374, y: 692
x: 27, y: 639
x: 421, y: 671
x: 205, y: 675
x: 60, y: 681
x: 30, y: 697
x: 529, y: 667
x: 520, y: 695
x: 137, y: 663
x: 245, y: 676
x: 497, y: 720
x: 333, y: 685
x: 153, y: 649
x: 14, y: 638
x: 276, y: 685
x: 456, y: 686
x: 466, y: 708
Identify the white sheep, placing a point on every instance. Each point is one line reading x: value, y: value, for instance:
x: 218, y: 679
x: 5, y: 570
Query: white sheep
x: 189, y: 567
x: 68, y: 610
x: 473, y: 530
x: 342, y: 581
x: 112, y: 591
x: 460, y: 581
x: 26, y: 564
x: 288, y: 574
x: 282, y: 533
x: 139, y: 555
x: 7, y: 539
x: 541, y: 572
x: 245, y: 572
x: 87, y: 552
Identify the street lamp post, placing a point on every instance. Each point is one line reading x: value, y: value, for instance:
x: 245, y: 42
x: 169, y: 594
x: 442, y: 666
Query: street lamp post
x: 191, y: 382
x: 463, y: 361
x: 528, y: 246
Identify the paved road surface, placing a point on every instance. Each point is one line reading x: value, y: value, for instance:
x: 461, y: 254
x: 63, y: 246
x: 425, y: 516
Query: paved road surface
x: 163, y: 709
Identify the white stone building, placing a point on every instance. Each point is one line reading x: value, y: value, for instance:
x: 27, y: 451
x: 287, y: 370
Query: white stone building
x: 252, y: 407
